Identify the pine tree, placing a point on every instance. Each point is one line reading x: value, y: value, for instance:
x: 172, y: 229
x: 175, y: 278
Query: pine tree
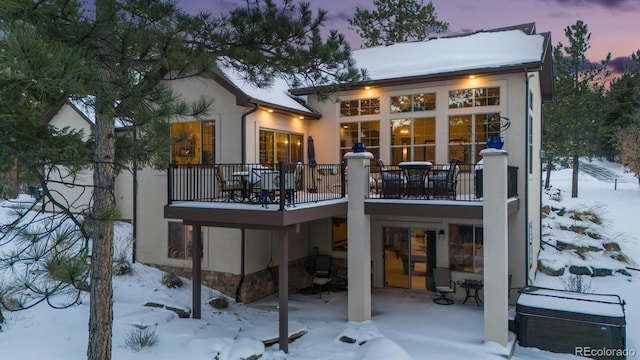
x: 395, y: 21
x: 573, y: 120
x: 120, y: 59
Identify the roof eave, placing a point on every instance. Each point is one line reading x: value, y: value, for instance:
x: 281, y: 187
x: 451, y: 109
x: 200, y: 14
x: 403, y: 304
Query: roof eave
x: 511, y: 69
x: 243, y: 99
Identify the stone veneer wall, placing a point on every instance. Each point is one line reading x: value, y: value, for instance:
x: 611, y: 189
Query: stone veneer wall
x: 255, y: 286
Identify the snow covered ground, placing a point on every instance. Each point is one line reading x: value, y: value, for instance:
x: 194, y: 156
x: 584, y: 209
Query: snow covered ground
x: 405, y: 325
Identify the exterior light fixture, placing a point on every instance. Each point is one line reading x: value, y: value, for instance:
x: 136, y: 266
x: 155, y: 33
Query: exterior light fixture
x: 472, y: 76
x: 367, y: 87
x: 270, y: 110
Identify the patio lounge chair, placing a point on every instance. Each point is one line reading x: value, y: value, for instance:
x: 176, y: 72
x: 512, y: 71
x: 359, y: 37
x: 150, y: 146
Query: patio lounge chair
x: 443, y: 285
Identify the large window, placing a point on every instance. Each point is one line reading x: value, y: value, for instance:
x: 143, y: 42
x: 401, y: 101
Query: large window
x: 413, y: 139
x: 180, y: 240
x: 276, y: 146
x: 360, y: 107
x: 468, y: 135
x: 192, y: 142
x: 415, y: 102
x: 367, y: 132
x: 466, y: 248
x: 465, y: 98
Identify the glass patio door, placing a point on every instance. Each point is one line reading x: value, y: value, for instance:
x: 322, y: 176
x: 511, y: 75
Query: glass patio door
x: 409, y: 257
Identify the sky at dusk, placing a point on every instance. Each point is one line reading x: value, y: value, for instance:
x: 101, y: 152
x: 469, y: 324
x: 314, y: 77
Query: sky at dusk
x: 614, y: 24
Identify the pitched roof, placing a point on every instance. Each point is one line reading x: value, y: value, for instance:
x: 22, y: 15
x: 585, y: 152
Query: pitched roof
x: 502, y: 50
x: 276, y: 96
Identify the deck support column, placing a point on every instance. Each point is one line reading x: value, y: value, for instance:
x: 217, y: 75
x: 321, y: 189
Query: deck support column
x: 358, y: 233
x: 495, y: 226
x: 283, y: 292
x: 196, y: 272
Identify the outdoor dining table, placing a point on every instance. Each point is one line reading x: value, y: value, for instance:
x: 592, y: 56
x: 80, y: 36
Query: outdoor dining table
x: 415, y: 173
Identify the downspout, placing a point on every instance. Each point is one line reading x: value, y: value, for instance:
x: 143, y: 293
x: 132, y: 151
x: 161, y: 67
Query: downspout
x: 526, y: 171
x: 134, y: 216
x: 243, y: 232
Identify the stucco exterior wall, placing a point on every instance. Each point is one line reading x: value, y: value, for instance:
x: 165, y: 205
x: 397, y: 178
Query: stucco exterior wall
x: 77, y: 198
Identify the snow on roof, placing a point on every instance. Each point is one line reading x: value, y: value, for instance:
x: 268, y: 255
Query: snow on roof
x: 276, y: 94
x: 478, y: 51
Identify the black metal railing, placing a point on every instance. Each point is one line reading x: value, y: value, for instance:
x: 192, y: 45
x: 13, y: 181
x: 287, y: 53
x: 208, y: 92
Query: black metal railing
x: 438, y: 183
x: 284, y: 184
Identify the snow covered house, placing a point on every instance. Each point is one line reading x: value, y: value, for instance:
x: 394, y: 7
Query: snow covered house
x: 269, y: 179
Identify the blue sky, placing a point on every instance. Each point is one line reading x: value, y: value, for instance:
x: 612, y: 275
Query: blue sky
x: 614, y: 24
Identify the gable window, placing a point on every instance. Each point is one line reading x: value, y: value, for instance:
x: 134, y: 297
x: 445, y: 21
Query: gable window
x: 180, y: 240
x: 415, y: 102
x: 192, y: 142
x: 367, y: 132
x: 468, y: 135
x: 360, y: 107
x: 466, y: 248
x: 276, y: 146
x: 474, y: 97
x: 413, y: 139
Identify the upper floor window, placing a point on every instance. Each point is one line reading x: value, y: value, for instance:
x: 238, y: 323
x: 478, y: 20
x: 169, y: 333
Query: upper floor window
x: 413, y: 139
x: 474, y: 97
x: 468, y: 135
x: 366, y: 132
x: 192, y: 142
x: 415, y: 102
x: 360, y: 107
x: 276, y: 146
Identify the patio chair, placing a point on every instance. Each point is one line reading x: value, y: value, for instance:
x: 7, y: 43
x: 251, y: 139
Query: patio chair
x: 228, y: 188
x: 443, y: 285
x: 322, y: 272
x: 444, y: 182
x: 392, y: 183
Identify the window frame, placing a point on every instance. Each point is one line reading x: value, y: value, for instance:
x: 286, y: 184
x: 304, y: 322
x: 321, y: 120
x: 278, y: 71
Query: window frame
x: 193, y: 143
x: 372, y: 143
x: 290, y: 155
x: 409, y: 141
x: 360, y: 107
x: 477, y: 243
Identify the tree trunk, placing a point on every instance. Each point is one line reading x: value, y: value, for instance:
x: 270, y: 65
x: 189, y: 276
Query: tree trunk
x: 574, y: 178
x: 547, y: 179
x: 101, y: 307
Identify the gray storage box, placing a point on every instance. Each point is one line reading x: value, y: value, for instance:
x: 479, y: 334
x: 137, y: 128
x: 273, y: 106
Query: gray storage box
x: 563, y: 321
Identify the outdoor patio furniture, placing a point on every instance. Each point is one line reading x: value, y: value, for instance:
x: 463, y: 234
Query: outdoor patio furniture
x: 322, y: 272
x: 468, y: 285
x: 444, y: 285
x: 229, y: 188
x: 392, y: 183
x: 415, y: 173
x: 443, y: 182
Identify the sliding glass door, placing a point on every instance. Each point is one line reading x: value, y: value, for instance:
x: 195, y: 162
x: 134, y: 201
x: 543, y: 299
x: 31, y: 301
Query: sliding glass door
x: 409, y: 257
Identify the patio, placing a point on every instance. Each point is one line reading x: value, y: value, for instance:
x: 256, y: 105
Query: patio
x: 420, y: 327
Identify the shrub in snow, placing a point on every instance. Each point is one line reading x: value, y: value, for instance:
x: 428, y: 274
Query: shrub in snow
x: 577, y: 283
x: 141, y: 337
x: 171, y: 280
x: 219, y: 303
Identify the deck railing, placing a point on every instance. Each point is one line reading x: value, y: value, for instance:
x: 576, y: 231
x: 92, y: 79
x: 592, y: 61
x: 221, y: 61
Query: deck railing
x: 283, y: 184
x: 467, y: 184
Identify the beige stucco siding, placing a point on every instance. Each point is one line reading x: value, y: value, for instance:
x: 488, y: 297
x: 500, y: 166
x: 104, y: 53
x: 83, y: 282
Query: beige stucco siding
x: 78, y: 197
